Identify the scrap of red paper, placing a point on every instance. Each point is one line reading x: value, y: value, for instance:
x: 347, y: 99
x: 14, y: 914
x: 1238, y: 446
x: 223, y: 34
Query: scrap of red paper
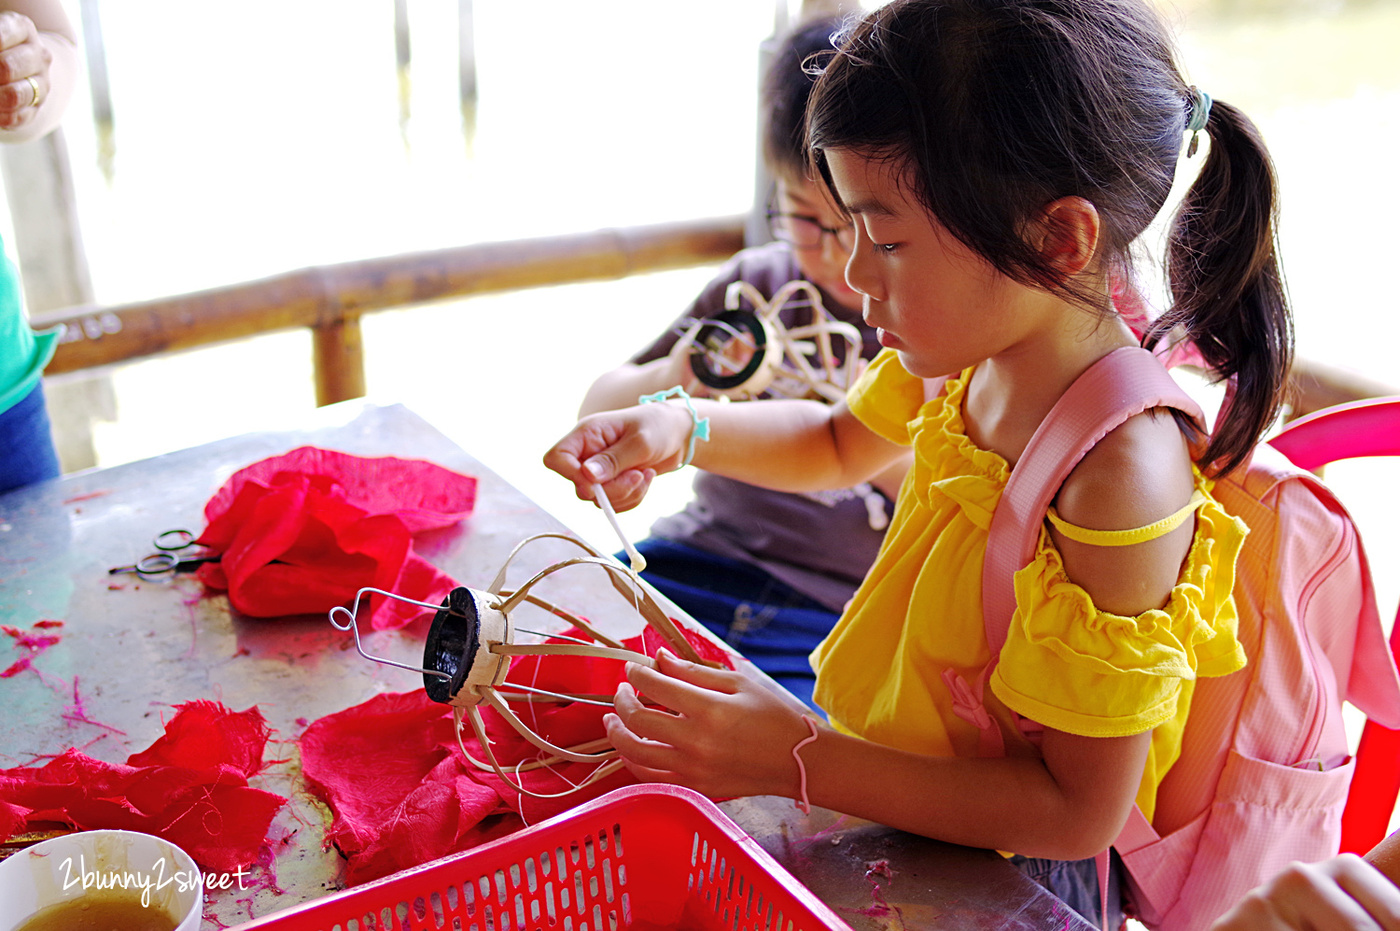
x: 189, y: 787
x: 35, y: 643
x: 401, y: 791
x: 301, y: 533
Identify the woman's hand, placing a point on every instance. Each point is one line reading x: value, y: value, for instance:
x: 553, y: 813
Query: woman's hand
x: 24, y: 70
x: 718, y: 731
x: 1343, y: 892
x: 622, y: 450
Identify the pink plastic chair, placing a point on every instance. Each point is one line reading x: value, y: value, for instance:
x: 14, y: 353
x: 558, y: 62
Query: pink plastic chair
x: 1349, y: 431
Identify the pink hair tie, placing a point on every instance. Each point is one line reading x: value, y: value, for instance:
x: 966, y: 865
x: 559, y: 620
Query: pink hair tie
x: 802, y: 802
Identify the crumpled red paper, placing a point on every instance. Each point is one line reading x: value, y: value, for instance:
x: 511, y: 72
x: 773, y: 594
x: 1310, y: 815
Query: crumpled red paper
x: 301, y: 533
x: 401, y: 791
x: 189, y: 787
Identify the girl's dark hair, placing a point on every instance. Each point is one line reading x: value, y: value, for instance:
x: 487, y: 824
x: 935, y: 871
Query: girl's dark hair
x: 787, y: 85
x: 994, y: 108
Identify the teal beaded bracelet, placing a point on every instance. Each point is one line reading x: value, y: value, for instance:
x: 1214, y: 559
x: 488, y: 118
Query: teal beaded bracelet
x: 700, y: 426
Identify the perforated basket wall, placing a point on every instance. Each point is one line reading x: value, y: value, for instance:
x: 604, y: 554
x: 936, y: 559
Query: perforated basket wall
x: 643, y: 857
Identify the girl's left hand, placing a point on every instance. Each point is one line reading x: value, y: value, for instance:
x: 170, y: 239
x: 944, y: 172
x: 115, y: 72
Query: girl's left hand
x: 24, y: 70
x: 724, y: 734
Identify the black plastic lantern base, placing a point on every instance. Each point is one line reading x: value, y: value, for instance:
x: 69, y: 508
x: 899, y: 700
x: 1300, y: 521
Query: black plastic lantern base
x: 452, y: 643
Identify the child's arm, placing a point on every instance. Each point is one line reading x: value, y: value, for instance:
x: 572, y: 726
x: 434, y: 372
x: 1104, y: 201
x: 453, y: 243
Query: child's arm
x: 1385, y: 857
x: 622, y: 386
x: 891, y: 478
x: 726, y: 735
x: 781, y: 444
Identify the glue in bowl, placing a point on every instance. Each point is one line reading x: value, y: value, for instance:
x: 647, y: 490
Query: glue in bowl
x: 90, y: 867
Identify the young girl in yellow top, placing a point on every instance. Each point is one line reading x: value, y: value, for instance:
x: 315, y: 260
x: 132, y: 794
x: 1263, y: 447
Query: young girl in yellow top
x: 998, y: 158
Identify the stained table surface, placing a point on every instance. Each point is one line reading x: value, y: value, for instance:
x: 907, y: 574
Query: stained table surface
x: 132, y: 648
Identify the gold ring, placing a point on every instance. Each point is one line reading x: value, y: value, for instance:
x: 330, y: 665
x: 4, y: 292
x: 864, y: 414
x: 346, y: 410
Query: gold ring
x: 34, y: 85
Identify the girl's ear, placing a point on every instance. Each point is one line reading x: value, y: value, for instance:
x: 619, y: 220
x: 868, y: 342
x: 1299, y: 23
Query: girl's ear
x: 1067, y: 234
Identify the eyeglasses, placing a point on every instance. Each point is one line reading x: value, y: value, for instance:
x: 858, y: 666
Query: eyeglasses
x: 806, y: 232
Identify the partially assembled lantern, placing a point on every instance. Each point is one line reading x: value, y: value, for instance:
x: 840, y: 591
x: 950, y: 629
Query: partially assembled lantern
x: 471, y: 641
x: 741, y: 353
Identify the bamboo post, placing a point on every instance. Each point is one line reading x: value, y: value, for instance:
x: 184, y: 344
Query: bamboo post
x: 466, y: 53
x: 403, y: 57
x: 756, y: 231
x: 96, y: 53
x: 99, y: 88
x: 338, y: 354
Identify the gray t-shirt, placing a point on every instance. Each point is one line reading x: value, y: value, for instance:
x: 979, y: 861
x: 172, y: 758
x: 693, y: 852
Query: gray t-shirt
x: 819, y: 544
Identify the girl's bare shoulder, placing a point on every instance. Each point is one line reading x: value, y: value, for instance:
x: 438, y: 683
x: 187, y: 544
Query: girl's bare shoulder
x: 1136, y: 475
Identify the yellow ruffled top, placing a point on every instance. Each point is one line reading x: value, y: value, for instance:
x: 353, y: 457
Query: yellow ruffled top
x: 1066, y: 665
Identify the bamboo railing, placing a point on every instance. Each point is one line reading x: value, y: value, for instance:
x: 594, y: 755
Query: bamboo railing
x: 331, y: 299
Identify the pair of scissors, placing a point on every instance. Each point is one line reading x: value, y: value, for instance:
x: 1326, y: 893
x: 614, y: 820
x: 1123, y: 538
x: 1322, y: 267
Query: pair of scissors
x: 172, y: 555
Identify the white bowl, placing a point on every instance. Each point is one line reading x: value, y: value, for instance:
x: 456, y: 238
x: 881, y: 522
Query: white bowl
x: 56, y: 871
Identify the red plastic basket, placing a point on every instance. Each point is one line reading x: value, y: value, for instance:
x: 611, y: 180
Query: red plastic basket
x: 643, y: 857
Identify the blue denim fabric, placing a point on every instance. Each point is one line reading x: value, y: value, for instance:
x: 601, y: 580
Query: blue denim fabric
x: 26, y: 445
x: 1076, y: 883
x: 766, y: 620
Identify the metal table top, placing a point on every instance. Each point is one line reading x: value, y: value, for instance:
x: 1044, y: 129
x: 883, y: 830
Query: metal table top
x: 131, y: 649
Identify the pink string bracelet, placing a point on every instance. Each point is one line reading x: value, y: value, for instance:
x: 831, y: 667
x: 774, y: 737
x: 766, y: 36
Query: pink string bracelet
x: 802, y: 803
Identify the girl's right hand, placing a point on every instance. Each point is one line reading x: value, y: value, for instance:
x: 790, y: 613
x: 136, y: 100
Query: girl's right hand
x: 622, y: 450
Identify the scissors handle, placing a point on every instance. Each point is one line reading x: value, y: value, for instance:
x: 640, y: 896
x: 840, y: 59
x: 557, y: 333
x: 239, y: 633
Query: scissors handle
x: 171, y: 540
x: 163, y: 563
x: 169, y: 556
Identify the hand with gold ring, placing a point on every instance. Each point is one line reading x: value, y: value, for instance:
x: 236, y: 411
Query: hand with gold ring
x: 25, y: 61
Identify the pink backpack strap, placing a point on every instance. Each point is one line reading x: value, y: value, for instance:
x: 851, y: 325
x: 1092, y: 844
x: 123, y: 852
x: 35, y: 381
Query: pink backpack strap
x: 1119, y: 386
x: 1114, y: 389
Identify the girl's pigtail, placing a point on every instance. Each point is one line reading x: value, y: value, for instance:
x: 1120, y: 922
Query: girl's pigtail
x: 1227, y: 287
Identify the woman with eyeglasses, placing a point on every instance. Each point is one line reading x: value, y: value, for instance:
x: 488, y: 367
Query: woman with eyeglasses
x: 768, y: 571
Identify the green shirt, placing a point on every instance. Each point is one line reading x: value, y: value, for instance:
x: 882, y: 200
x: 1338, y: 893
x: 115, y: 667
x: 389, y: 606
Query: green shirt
x: 23, y: 353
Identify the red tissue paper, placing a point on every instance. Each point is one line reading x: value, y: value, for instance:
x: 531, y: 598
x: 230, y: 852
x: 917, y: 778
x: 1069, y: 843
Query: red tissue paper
x: 401, y: 791
x: 189, y: 787
x: 303, y: 532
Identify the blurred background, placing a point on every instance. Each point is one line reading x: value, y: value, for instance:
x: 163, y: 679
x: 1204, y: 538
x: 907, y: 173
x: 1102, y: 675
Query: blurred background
x: 246, y: 144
